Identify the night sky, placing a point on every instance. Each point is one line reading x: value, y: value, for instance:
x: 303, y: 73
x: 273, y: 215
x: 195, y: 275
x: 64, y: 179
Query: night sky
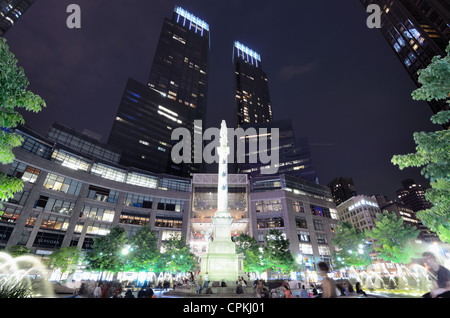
x: 338, y: 80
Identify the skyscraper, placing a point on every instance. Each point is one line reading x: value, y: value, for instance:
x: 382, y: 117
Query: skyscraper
x: 416, y: 30
x: 180, y: 65
x: 10, y: 12
x: 294, y: 154
x: 252, y: 98
x: 174, y: 96
x: 342, y: 189
x: 413, y: 195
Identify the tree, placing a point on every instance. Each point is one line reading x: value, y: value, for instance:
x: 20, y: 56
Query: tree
x: 65, y: 258
x: 277, y: 255
x: 394, y: 238
x: 433, y: 148
x: 348, y: 240
x: 253, y: 256
x: 13, y: 94
x: 18, y: 250
x: 106, y: 254
x: 145, y: 254
x: 177, y: 256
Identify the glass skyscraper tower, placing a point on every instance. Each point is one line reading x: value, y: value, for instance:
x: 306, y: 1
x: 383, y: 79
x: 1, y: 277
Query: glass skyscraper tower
x: 174, y: 96
x: 416, y: 30
x: 10, y: 12
x: 252, y: 99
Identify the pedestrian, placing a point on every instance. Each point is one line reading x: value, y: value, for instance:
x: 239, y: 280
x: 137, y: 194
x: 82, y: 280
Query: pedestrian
x: 199, y: 284
x: 205, y: 286
x: 286, y: 291
x: 314, y: 290
x: 442, y: 284
x: 359, y: 289
x: 242, y: 284
x: 303, y: 292
x: 259, y: 289
x: 105, y: 289
x: 98, y: 290
x: 328, y: 285
x: 142, y: 292
x: 117, y: 292
x: 129, y: 294
x: 149, y: 293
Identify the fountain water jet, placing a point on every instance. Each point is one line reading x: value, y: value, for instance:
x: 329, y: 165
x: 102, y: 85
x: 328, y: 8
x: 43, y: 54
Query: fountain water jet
x: 19, y: 270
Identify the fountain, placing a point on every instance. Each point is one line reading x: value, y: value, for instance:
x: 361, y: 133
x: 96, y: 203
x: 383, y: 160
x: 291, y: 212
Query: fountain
x: 25, y: 271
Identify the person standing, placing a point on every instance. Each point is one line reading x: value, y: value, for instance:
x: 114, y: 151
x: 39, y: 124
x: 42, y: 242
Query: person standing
x: 328, y: 285
x: 206, y: 283
x: 199, y: 284
x: 98, y: 291
x: 442, y: 288
x: 286, y: 291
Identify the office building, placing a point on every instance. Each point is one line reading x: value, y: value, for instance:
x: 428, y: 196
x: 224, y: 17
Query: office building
x: 416, y: 30
x: 11, y: 11
x: 304, y: 211
x: 175, y: 96
x: 70, y: 198
x: 294, y: 153
x: 360, y: 211
x: 409, y: 218
x: 342, y: 189
x: 413, y: 195
x: 252, y: 98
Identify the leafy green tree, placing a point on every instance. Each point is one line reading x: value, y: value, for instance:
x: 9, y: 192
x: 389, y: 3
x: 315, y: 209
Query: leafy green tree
x: 277, y: 255
x: 394, y: 239
x: 178, y: 257
x: 106, y: 254
x: 18, y: 250
x: 145, y: 255
x: 13, y: 94
x: 253, y: 256
x: 347, y: 241
x: 433, y: 148
x: 66, y: 258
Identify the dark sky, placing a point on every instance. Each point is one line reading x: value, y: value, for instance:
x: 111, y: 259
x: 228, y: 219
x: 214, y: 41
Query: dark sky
x: 338, y: 80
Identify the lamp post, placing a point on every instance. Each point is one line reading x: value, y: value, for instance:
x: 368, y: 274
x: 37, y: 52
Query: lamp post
x: 125, y: 251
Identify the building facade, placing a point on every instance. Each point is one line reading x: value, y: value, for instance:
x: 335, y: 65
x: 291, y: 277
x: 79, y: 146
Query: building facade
x: 175, y: 96
x: 360, y: 211
x: 409, y: 218
x: 204, y: 206
x: 69, y: 199
x: 10, y: 12
x: 252, y: 98
x: 304, y: 211
x: 416, y: 30
x: 342, y: 189
x: 413, y: 195
x: 294, y: 155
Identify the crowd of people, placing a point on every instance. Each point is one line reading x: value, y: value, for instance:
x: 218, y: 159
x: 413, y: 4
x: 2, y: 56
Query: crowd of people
x: 113, y: 290
x: 329, y: 287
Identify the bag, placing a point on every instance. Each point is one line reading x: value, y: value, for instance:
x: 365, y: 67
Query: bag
x: 239, y: 290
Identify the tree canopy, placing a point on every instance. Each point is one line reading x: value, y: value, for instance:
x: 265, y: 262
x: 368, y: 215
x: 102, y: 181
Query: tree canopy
x: 433, y: 148
x: 13, y: 95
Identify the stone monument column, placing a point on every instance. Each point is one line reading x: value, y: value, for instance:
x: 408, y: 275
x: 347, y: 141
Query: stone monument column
x: 221, y: 261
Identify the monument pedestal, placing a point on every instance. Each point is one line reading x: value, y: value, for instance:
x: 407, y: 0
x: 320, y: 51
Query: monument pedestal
x: 221, y: 261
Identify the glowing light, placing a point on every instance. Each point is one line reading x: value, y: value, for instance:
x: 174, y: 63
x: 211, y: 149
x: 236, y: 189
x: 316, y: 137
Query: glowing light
x: 250, y: 53
x: 192, y: 19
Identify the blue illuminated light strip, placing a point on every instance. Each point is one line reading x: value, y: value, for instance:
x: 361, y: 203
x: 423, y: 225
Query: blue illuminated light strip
x: 192, y: 18
x: 250, y: 53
